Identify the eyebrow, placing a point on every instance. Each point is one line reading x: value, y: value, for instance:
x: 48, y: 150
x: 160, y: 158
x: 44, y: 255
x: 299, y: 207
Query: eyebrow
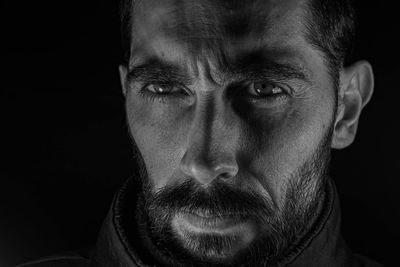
x: 258, y: 66
x: 156, y: 70
x: 248, y: 67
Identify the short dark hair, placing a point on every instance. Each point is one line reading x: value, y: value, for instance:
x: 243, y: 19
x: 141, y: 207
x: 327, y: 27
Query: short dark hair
x: 330, y: 27
x: 329, y: 24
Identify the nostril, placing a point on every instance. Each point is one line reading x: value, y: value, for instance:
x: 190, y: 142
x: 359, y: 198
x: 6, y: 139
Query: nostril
x: 225, y: 176
x: 227, y: 172
x: 206, y: 166
x: 205, y: 171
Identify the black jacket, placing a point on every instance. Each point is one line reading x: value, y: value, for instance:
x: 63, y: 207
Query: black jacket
x: 323, y: 246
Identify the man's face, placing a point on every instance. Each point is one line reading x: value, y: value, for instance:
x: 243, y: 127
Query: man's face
x: 232, y: 112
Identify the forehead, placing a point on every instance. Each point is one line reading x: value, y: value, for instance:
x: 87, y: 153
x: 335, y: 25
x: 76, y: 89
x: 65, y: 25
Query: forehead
x: 219, y: 29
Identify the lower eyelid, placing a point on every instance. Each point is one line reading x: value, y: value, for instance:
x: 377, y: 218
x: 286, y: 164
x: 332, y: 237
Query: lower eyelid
x: 277, y: 99
x: 162, y: 98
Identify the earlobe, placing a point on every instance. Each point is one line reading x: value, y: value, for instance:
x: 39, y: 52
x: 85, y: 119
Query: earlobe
x: 356, y: 88
x: 123, y: 71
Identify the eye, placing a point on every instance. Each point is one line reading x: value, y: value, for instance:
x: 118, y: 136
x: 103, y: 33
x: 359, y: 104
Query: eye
x: 264, y: 89
x: 160, y: 89
x: 266, y: 94
x: 163, y: 92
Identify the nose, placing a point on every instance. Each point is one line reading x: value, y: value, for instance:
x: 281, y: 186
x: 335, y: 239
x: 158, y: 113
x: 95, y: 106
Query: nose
x: 205, y: 168
x: 210, y: 153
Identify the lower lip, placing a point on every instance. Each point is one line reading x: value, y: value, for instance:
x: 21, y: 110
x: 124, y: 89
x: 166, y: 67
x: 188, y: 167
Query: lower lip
x: 221, y: 225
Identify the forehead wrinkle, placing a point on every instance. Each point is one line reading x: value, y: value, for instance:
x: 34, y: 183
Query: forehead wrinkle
x: 199, y: 17
x: 201, y: 27
x: 231, y: 19
x: 189, y: 22
x: 216, y: 20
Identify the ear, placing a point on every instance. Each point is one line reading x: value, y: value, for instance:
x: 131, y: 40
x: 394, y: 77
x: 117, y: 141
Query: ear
x: 356, y: 88
x: 123, y: 72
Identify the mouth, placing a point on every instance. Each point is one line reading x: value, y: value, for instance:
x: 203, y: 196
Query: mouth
x: 198, y: 223
x: 216, y: 237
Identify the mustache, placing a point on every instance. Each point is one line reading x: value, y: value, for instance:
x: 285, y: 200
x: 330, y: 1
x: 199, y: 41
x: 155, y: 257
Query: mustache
x: 217, y: 200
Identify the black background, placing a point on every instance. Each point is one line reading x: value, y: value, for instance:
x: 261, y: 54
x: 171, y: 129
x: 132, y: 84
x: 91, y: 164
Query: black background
x: 66, y: 148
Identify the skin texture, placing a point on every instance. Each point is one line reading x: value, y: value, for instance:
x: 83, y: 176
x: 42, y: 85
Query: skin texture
x: 199, y: 119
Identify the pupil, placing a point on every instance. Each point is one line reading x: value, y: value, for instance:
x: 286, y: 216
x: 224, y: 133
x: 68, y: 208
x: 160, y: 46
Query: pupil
x: 159, y: 89
x: 261, y: 87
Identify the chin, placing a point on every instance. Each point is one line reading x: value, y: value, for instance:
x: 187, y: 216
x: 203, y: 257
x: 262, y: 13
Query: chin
x: 218, y: 240
x: 211, y: 248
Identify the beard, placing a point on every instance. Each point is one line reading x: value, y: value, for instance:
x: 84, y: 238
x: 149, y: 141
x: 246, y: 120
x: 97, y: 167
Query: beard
x: 280, y: 230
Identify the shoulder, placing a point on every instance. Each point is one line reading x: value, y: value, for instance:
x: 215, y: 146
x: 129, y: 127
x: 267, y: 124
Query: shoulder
x: 68, y: 259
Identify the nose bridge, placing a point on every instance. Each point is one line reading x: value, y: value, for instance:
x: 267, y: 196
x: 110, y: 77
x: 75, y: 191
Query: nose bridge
x: 210, y: 113
x: 209, y: 152
x: 207, y: 124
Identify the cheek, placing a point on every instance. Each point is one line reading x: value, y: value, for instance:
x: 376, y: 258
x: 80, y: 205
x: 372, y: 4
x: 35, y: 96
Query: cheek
x: 158, y: 131
x: 280, y: 147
